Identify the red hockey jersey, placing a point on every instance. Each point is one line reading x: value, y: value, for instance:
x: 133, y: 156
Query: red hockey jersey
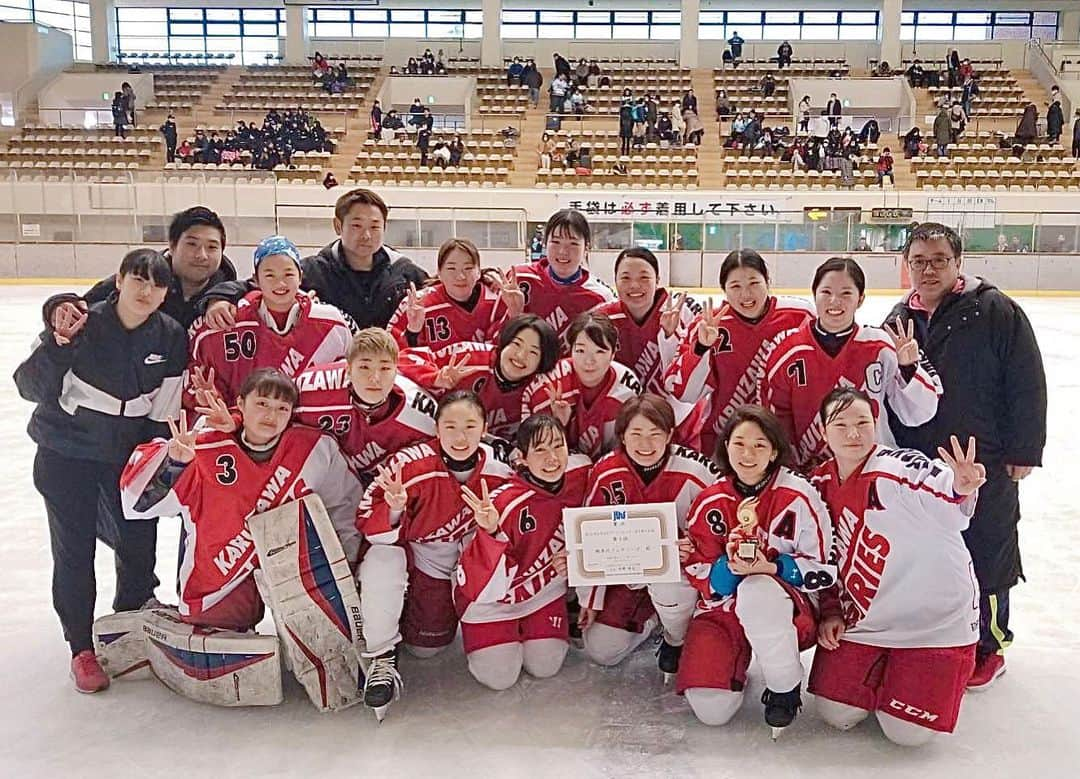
x: 326, y: 402
x: 511, y: 574
x: 555, y: 302
x: 591, y: 430
x: 222, y: 487
x: 615, y: 481
x: 730, y: 372
x: 792, y: 520
x: 799, y: 374
x: 315, y: 333
x: 446, y: 321
x: 502, y: 402
x: 906, y: 577
x: 435, y: 520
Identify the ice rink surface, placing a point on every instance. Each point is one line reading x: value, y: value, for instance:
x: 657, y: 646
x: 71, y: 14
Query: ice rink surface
x: 587, y: 721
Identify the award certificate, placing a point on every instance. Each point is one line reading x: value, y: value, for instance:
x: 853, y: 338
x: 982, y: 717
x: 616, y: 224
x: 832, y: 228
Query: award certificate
x: 634, y: 544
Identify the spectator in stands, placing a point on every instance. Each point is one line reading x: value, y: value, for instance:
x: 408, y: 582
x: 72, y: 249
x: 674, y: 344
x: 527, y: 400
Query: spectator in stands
x: 329, y: 180
x: 129, y: 101
x: 571, y: 153
x: 1027, y: 128
x: 652, y: 113
x: 319, y: 66
x: 427, y: 120
x: 663, y: 127
x: 870, y: 132
x: 533, y: 79
x: 966, y: 71
x: 736, y: 43
x: 230, y: 152
x: 558, y: 88
x: 833, y: 109
x: 457, y: 151
x: 626, y: 127
x: 119, y: 115
x: 168, y: 129
x: 1002, y: 243
x: 545, y: 149
x: 427, y: 63
x: 440, y: 61
x: 916, y: 76
x: 562, y: 66
x: 694, y: 128
x: 689, y: 101
x: 969, y: 93
x: 416, y: 113
x: 751, y: 134
x: 798, y: 156
x: 201, y: 144
x: 768, y: 85
x: 804, y: 114
x: 957, y: 121
x: 440, y: 155
x: 594, y: 74
x: 640, y: 129
x: 514, y: 73
x: 953, y: 64
x: 412, y: 67
x: 727, y: 59
x: 723, y: 105
x: 884, y: 167
x: 678, y: 126
x: 864, y: 245
x: 942, y: 130
x: 1076, y: 134
x: 1017, y: 247
x: 185, y: 152
x: 1055, y: 94
x: 342, y: 78
x: 581, y: 72
x: 912, y: 139
x: 578, y: 104
x: 1055, y: 122
x: 423, y: 143
x: 783, y: 55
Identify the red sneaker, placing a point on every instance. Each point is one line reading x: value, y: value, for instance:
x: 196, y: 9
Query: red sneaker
x: 87, y: 673
x: 987, y: 669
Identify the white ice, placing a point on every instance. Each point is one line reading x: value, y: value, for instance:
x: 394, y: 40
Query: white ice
x: 586, y: 721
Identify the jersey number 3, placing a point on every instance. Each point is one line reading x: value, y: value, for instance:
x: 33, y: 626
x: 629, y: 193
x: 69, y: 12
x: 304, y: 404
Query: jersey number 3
x: 227, y: 474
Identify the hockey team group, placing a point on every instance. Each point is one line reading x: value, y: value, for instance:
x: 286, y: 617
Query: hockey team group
x: 382, y: 459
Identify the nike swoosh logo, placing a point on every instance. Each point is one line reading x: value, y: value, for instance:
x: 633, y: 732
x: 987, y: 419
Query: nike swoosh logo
x: 153, y: 359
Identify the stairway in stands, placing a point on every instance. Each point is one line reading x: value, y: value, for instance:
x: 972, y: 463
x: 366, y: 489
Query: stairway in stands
x: 710, y: 154
x: 526, y: 160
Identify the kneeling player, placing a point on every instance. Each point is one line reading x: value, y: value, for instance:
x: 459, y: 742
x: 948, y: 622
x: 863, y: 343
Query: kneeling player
x: 416, y: 520
x: 214, y: 480
x: 900, y: 641
x: 761, y: 541
x: 645, y: 468
x: 365, y: 404
x: 511, y: 580
x: 277, y: 326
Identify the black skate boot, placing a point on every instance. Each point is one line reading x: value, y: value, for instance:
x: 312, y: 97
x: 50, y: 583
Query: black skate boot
x: 667, y: 659
x: 781, y: 708
x: 383, y: 684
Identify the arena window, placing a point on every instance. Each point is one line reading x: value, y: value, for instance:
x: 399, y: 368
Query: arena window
x: 790, y: 25
x: 67, y: 15
x: 978, y: 25
x: 591, y: 25
x: 248, y: 33
x: 394, y: 23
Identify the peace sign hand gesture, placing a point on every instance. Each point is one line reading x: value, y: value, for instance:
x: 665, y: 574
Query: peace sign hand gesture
x: 560, y: 406
x: 414, y: 310
x: 216, y: 415
x: 510, y: 293
x: 672, y: 314
x: 68, y: 320
x: 389, y: 480
x: 202, y: 383
x: 182, y: 443
x: 708, y: 327
x: 907, y: 348
x: 482, y: 508
x: 968, y: 475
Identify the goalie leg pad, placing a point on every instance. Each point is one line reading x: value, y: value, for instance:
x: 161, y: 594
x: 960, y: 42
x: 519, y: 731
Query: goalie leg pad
x: 313, y: 598
x: 214, y: 666
x: 120, y: 646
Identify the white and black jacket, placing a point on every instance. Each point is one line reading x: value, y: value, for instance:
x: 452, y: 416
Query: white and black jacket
x: 109, y: 390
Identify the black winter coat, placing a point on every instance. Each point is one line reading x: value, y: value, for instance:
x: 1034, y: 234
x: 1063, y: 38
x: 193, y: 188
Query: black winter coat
x: 985, y: 352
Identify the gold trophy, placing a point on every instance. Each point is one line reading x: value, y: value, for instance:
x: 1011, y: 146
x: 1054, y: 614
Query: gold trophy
x: 745, y: 535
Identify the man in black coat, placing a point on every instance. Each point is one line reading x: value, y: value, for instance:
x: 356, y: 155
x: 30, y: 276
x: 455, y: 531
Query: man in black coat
x: 196, y: 256
x: 356, y: 273
x: 833, y: 109
x: 562, y: 65
x: 985, y: 352
x: 168, y: 129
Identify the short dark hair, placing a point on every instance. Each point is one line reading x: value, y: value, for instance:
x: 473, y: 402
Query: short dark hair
x: 148, y: 264
x: 844, y: 265
x: 597, y: 327
x: 569, y: 221
x: 536, y: 430
x: 351, y: 198
x: 843, y: 398
x: 549, y: 339
x: 769, y: 425
x: 460, y: 396
x: 270, y: 383
x: 929, y: 231
x: 641, y: 253
x: 460, y: 244
x: 743, y: 258
x: 651, y: 406
x: 196, y: 216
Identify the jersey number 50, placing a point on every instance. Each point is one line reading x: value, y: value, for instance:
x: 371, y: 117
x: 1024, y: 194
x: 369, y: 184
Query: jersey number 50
x: 239, y: 345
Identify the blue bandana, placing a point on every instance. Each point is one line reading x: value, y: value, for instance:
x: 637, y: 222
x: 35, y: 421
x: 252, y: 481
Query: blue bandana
x: 276, y: 244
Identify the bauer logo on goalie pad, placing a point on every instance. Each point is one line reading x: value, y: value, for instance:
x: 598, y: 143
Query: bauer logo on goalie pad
x: 308, y: 585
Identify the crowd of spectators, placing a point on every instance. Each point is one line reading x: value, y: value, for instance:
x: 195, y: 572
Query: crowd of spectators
x: 273, y: 144
x: 335, y: 80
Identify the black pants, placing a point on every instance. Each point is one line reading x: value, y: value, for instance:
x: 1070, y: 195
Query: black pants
x: 625, y: 144
x: 994, y: 633
x: 1076, y: 149
x: 170, y: 153
x: 82, y: 500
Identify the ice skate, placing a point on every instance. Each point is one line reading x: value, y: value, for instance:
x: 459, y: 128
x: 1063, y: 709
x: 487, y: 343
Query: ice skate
x: 383, y: 684
x: 667, y: 659
x: 781, y: 708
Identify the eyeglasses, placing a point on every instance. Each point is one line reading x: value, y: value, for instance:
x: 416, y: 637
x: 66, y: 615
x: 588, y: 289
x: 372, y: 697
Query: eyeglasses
x: 937, y: 263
